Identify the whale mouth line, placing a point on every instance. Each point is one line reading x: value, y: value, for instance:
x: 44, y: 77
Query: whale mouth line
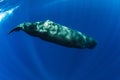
x: 15, y: 29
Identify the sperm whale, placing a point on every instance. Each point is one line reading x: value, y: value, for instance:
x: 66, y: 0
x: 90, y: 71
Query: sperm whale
x: 57, y: 33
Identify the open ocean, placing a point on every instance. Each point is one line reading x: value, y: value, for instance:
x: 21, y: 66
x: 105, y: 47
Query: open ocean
x: 24, y: 57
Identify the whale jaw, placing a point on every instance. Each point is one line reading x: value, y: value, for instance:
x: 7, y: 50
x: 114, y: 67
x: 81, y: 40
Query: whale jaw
x: 15, y: 29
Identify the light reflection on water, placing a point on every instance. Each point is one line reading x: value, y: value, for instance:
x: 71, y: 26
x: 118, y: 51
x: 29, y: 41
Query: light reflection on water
x: 7, y: 13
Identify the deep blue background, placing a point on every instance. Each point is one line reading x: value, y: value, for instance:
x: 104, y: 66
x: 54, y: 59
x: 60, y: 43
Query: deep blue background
x: 23, y: 57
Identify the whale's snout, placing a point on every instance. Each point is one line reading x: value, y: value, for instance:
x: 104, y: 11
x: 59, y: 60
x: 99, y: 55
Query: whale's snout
x: 15, y: 29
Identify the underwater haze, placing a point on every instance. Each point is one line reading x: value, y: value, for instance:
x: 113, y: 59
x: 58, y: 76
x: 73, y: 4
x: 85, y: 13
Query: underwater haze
x: 24, y: 57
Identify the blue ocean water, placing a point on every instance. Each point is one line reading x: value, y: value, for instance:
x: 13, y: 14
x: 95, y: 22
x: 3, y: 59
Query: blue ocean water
x: 23, y: 57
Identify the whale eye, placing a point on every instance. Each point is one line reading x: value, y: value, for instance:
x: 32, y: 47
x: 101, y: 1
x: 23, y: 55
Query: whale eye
x: 29, y: 27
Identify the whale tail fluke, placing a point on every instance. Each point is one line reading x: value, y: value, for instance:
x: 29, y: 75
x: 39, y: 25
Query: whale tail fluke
x: 15, y: 29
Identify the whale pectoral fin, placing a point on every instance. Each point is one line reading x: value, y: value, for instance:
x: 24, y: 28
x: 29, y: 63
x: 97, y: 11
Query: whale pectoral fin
x: 15, y: 29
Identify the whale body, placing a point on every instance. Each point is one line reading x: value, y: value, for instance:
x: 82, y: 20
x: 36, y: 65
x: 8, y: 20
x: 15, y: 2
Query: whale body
x: 56, y: 33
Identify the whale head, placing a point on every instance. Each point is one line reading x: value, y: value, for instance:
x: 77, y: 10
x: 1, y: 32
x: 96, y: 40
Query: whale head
x: 26, y: 27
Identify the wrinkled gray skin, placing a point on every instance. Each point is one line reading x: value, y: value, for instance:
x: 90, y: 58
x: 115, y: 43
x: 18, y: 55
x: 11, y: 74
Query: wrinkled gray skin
x: 56, y: 33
